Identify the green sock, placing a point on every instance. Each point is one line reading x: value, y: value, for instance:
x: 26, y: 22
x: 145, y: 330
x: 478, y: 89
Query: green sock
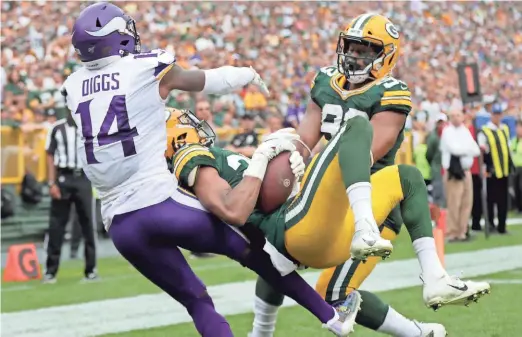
x: 354, y: 150
x: 373, y: 311
x: 268, y: 294
x: 415, y: 208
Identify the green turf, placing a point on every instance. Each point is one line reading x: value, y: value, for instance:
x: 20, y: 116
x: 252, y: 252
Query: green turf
x: 119, y: 279
x: 496, y: 315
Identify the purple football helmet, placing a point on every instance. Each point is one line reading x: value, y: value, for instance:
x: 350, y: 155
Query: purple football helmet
x: 104, y: 30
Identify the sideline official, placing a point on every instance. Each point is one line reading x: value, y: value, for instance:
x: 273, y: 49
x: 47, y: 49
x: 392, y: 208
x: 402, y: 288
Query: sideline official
x: 493, y: 139
x: 67, y: 185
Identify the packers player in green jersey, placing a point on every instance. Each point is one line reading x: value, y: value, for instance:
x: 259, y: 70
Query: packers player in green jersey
x: 192, y: 154
x: 368, y: 50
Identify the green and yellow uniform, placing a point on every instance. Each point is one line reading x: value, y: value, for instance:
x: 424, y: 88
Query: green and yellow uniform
x: 230, y: 166
x: 321, y: 236
x: 387, y: 94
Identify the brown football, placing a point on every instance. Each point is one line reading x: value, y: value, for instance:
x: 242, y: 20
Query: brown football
x: 277, y: 184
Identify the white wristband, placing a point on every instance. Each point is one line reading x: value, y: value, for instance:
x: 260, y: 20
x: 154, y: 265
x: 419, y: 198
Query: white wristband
x: 371, y: 158
x: 257, y: 167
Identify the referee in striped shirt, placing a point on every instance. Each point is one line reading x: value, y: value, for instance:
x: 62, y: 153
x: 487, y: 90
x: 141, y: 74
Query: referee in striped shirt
x: 67, y: 185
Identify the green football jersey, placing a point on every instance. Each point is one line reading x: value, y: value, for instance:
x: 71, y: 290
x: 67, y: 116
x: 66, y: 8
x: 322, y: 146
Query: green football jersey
x: 230, y: 166
x: 386, y: 94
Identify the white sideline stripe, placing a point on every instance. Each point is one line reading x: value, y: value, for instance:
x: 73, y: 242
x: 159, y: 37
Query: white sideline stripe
x: 219, y: 265
x: 149, y: 311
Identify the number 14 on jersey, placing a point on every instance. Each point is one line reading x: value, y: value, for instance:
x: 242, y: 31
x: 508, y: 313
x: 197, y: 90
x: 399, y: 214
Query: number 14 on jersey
x: 125, y: 134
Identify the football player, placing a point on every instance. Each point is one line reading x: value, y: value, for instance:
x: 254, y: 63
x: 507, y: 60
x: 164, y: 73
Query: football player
x: 361, y: 85
x: 117, y: 99
x: 306, y: 230
x: 212, y: 175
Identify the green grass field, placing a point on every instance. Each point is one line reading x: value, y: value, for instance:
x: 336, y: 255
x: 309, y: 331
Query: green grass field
x: 495, y: 316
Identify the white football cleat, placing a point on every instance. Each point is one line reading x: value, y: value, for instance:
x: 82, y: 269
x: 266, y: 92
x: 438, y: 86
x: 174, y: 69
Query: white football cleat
x: 451, y: 290
x: 431, y: 329
x: 345, y: 312
x: 366, y: 243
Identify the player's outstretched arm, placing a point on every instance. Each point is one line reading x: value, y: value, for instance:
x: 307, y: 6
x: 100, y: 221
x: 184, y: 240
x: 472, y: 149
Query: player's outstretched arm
x: 212, y: 81
x: 309, y: 129
x: 232, y: 205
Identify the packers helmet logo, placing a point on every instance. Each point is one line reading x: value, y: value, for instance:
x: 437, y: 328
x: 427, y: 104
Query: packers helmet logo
x: 390, y: 28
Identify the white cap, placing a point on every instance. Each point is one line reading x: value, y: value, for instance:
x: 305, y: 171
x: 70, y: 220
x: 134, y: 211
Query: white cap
x: 442, y: 117
x: 488, y: 99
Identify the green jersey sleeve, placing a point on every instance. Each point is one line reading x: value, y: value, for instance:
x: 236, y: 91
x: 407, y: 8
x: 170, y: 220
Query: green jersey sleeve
x: 189, y: 158
x: 394, y: 96
x: 321, y: 91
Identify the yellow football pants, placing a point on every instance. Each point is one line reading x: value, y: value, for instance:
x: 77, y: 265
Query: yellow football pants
x: 353, y: 273
x: 320, y: 222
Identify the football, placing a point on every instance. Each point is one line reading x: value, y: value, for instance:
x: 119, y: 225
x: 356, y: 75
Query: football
x: 277, y: 184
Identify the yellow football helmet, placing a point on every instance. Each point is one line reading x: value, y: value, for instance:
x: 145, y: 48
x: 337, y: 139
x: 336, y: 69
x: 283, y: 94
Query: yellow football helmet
x: 183, y: 128
x: 368, y: 48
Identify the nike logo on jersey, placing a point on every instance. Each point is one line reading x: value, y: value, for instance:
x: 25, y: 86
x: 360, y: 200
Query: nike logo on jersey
x: 404, y: 87
x: 463, y: 288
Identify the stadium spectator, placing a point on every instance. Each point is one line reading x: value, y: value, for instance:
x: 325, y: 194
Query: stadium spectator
x: 267, y: 35
x: 433, y: 156
x: 274, y: 122
x: 432, y: 109
x: 246, y: 141
x: 295, y: 112
x: 476, y: 177
x: 458, y: 148
x: 204, y: 113
x: 419, y: 158
x: 255, y: 101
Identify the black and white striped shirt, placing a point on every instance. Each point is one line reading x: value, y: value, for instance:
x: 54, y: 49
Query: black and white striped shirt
x: 62, y: 143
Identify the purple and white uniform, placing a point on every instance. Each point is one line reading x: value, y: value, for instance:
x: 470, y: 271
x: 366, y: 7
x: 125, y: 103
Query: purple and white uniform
x: 121, y: 117
x: 115, y: 102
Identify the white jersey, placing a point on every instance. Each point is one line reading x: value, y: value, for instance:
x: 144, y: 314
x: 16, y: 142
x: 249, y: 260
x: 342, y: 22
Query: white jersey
x: 121, y: 117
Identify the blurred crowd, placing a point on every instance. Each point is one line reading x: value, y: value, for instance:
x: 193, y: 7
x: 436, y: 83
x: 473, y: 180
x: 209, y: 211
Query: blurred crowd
x: 286, y: 42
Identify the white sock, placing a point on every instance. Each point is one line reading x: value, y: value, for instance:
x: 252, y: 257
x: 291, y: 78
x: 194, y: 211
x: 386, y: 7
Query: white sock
x: 265, y: 317
x: 360, y: 198
x: 426, y: 251
x: 397, y: 325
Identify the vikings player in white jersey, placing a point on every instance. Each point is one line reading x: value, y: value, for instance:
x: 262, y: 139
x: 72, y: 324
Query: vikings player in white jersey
x: 118, y: 102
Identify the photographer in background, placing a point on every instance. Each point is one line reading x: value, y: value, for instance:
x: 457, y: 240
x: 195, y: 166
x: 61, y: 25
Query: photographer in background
x: 245, y: 142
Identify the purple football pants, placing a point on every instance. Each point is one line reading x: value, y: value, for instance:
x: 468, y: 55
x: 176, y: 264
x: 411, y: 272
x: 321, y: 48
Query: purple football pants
x: 149, y: 239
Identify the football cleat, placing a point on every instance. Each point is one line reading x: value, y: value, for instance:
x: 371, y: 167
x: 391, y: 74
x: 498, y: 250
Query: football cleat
x: 431, y: 329
x: 345, y: 313
x: 451, y: 290
x: 366, y: 243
